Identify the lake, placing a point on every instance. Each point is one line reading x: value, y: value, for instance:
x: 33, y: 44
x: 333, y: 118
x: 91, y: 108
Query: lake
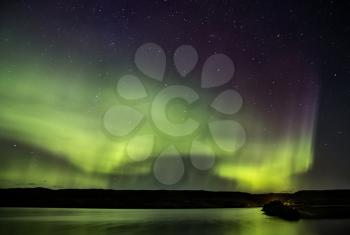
x: 44, y: 221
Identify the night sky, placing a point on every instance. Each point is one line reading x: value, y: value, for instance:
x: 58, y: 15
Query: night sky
x: 85, y: 85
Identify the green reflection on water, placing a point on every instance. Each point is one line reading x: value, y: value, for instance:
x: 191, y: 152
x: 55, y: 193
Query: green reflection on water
x: 122, y: 221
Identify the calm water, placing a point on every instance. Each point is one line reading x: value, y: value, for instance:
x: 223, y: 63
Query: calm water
x: 20, y: 221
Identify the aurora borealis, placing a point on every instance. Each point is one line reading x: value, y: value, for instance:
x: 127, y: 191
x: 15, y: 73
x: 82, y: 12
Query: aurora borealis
x: 61, y: 63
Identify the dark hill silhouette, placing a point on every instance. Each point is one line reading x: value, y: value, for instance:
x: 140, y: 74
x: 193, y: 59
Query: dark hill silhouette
x: 309, y: 204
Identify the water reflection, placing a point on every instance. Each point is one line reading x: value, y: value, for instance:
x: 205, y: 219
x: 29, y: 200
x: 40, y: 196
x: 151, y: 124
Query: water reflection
x: 124, y: 222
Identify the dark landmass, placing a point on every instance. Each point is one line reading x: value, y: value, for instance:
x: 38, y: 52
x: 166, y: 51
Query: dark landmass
x: 98, y: 198
x: 292, y: 206
x: 328, y: 204
x: 282, y: 210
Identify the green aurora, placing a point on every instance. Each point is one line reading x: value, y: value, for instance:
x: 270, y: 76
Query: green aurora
x: 53, y: 114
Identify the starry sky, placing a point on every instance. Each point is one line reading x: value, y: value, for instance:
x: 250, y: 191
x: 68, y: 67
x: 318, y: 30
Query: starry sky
x: 61, y: 61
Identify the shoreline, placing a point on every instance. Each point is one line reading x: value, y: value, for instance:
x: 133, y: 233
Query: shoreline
x: 290, y: 206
